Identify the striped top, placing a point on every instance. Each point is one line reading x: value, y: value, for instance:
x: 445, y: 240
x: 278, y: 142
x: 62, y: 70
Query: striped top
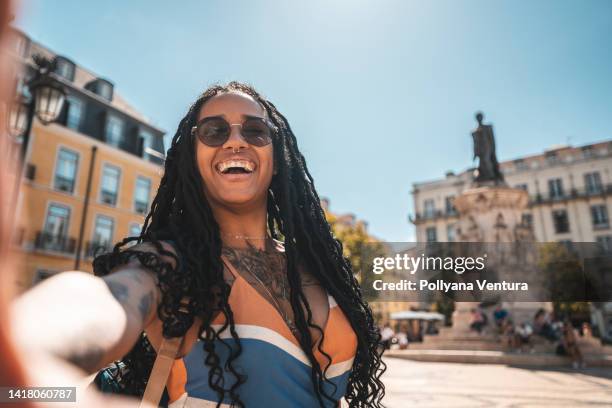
x: 277, y: 369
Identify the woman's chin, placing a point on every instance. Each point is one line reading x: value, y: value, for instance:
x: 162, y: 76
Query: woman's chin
x: 238, y: 199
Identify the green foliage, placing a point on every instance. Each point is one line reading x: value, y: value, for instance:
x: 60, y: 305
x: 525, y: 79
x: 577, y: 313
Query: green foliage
x: 359, y: 248
x: 566, y: 279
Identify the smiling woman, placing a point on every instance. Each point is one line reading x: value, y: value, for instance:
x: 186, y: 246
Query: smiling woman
x: 247, y: 269
x: 236, y: 259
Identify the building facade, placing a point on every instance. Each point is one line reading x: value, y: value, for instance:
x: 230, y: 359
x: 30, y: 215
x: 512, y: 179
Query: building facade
x: 89, y: 178
x: 570, y: 191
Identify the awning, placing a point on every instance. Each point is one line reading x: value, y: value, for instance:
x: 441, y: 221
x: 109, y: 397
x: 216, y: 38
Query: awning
x: 414, y: 315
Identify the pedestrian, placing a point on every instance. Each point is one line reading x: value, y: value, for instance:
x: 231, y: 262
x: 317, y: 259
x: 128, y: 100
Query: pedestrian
x: 236, y: 256
x: 570, y: 345
x: 523, y: 336
x: 386, y: 335
x: 478, y: 320
x: 500, y: 314
x: 543, y: 327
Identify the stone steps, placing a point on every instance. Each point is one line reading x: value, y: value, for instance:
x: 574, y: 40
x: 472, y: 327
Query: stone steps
x: 497, y: 357
x: 484, y: 346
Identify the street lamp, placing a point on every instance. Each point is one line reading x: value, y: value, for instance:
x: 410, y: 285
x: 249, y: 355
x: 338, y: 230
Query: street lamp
x: 46, y: 102
x: 18, y: 118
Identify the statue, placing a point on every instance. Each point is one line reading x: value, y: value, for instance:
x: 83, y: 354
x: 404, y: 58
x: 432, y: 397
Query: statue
x: 484, y: 148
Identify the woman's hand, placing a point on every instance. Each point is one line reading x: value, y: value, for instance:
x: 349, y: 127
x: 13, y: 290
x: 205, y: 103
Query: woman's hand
x: 93, y: 321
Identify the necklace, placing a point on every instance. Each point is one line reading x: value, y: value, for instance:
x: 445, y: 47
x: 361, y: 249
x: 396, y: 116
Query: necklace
x: 239, y: 236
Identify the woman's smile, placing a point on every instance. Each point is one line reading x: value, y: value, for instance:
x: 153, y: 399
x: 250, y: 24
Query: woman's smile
x: 236, y: 168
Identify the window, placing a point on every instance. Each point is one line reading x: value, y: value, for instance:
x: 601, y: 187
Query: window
x: 105, y: 90
x: 592, y: 182
x: 522, y: 186
x: 141, y: 195
x: 599, y: 215
x: 21, y: 88
x: 555, y: 188
x: 64, y: 68
x: 587, y: 152
x: 135, y: 230
x: 429, y: 208
x: 520, y: 164
x: 147, y: 143
x: 110, y: 184
x: 552, y: 157
x: 449, y: 203
x: 103, y: 231
x: 431, y: 234
x: 527, y: 220
x: 605, y: 242
x: 65, y: 170
x: 75, y: 113
x: 450, y: 233
x: 42, y: 274
x: 560, y: 221
x: 58, y: 218
x: 114, y: 131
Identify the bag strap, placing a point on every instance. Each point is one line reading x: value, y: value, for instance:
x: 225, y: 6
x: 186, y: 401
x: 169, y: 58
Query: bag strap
x: 161, y: 367
x: 161, y: 370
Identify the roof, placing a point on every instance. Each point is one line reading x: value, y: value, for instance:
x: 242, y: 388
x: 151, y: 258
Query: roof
x: 82, y: 76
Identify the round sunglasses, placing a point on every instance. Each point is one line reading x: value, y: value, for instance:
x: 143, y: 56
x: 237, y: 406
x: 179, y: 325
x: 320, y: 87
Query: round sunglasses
x: 214, y: 131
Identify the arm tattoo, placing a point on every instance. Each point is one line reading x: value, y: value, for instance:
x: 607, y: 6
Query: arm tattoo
x: 119, y: 290
x: 145, y: 305
x: 136, y: 276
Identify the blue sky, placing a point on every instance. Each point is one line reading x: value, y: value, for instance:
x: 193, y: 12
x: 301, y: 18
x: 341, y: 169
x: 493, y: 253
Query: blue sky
x: 380, y: 93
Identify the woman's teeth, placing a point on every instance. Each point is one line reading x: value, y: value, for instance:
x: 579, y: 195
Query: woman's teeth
x: 236, y: 165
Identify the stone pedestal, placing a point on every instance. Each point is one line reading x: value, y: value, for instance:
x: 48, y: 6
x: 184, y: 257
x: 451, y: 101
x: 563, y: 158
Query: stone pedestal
x: 491, y: 214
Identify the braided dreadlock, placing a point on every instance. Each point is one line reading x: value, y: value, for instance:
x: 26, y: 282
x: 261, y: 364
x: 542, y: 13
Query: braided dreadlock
x: 181, y: 213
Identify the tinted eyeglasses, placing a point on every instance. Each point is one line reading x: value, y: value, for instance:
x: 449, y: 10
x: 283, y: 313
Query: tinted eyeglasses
x: 214, y: 131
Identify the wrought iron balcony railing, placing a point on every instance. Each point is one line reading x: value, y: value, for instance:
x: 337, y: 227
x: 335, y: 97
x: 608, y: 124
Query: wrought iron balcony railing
x: 47, y: 241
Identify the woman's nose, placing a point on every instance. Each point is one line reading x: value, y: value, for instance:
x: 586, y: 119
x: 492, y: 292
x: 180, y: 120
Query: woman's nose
x: 235, y: 140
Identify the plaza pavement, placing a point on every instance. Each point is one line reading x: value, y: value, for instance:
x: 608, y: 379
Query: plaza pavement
x: 454, y: 385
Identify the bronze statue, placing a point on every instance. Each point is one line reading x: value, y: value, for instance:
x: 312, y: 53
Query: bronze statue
x: 484, y: 148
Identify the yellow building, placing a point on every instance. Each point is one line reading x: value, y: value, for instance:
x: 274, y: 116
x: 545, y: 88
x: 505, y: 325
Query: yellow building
x: 89, y: 178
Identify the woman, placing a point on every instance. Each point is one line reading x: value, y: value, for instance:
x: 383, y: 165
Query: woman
x: 237, y: 253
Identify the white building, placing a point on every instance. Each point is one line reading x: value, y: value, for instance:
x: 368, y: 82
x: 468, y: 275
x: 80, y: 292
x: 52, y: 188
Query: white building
x: 570, y: 190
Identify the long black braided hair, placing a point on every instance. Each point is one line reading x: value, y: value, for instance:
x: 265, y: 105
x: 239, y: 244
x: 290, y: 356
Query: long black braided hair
x: 181, y: 213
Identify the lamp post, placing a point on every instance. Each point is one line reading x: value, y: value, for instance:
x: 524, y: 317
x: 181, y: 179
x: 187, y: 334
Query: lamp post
x: 46, y: 102
x: 47, y: 96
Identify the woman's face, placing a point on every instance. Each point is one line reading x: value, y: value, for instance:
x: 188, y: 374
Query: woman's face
x: 235, y: 174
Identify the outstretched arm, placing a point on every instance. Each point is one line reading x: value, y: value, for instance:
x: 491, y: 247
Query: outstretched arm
x: 87, y: 320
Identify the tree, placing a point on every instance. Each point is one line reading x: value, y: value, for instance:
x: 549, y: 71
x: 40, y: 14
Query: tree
x: 567, y: 283
x: 359, y: 248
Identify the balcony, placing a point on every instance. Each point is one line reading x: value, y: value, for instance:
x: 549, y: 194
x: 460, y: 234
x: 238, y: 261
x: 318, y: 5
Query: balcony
x: 140, y: 207
x: 46, y: 241
x: 419, y: 218
x: 94, y: 248
x: 64, y: 184
x: 574, y: 194
x: 108, y: 197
